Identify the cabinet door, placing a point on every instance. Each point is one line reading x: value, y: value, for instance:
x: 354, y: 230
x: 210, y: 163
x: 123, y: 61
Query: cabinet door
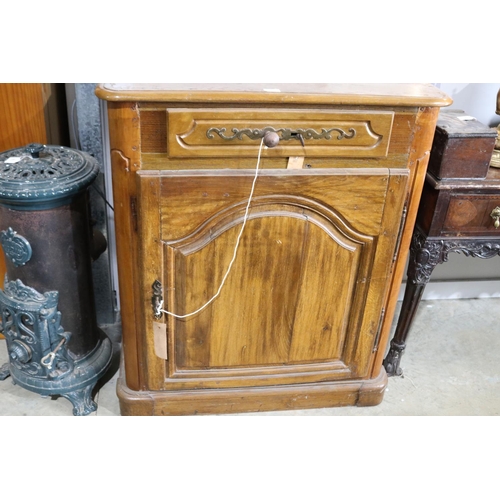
x: 304, y: 299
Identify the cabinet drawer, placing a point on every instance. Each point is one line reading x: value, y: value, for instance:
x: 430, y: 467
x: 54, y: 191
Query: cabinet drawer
x: 237, y: 132
x: 470, y: 214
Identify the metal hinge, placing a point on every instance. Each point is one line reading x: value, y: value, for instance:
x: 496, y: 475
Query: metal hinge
x: 377, y: 337
x: 133, y: 212
x: 400, y: 234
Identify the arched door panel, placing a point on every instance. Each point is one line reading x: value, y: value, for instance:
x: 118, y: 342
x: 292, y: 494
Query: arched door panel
x: 304, y: 296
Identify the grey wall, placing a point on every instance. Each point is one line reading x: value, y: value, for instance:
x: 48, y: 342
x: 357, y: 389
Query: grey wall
x: 476, y: 99
x: 86, y: 134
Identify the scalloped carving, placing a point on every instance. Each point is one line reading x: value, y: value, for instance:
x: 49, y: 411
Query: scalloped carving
x: 273, y: 206
x: 219, y: 133
x: 120, y: 159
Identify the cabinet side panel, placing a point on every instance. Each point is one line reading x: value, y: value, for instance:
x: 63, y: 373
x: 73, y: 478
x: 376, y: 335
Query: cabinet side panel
x: 125, y: 161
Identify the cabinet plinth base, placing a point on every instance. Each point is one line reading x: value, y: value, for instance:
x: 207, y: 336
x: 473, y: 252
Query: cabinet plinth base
x: 254, y: 399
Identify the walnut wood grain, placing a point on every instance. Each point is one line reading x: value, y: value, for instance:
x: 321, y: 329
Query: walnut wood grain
x: 470, y: 213
x: 22, y: 120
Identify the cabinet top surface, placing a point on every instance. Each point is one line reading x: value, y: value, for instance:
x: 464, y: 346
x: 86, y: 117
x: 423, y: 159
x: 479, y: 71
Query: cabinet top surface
x: 380, y: 94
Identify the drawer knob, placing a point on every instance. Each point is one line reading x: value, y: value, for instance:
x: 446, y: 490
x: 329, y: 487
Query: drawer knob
x: 495, y: 215
x: 271, y: 139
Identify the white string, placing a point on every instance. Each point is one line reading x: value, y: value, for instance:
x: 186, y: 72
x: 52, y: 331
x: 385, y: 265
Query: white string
x: 245, y: 218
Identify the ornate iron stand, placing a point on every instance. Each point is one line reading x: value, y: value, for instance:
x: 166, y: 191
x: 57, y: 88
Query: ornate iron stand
x: 425, y: 254
x: 38, y: 348
x: 47, y: 306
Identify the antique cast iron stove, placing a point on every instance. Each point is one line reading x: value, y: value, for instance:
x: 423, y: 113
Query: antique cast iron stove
x: 47, y: 304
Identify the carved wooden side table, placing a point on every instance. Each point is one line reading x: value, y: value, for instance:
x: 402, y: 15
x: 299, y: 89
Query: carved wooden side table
x: 459, y: 212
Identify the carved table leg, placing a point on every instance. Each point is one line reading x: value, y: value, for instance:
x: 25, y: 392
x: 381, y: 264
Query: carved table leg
x: 82, y: 400
x: 413, y: 294
x: 424, y: 256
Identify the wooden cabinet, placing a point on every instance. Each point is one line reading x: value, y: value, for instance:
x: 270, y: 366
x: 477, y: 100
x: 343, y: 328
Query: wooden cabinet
x: 303, y: 317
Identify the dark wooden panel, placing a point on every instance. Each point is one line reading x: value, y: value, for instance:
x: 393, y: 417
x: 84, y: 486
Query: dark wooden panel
x: 470, y: 214
x: 154, y: 131
x: 462, y: 147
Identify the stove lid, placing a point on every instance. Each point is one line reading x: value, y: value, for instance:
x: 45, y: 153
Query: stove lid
x: 36, y: 176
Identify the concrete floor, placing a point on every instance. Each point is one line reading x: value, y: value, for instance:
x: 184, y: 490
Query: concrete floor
x: 451, y: 368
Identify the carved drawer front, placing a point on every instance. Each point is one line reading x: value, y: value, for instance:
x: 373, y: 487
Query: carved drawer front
x: 237, y: 133
x: 473, y: 214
